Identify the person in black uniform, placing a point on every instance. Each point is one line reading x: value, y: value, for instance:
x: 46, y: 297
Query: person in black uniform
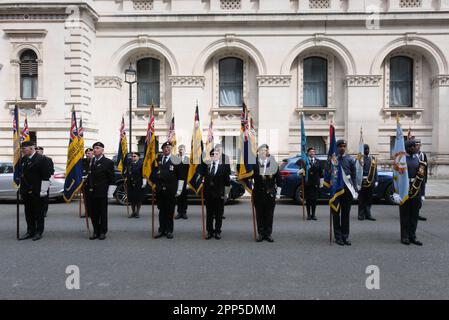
x: 168, y: 186
x: 224, y: 159
x: 368, y: 184
x: 312, y: 183
x: 341, y: 219
x: 89, y: 154
x: 46, y: 199
x: 181, y: 201
x: 422, y: 157
x: 267, y: 188
x: 135, y: 183
x: 34, y: 184
x: 409, y: 210
x: 217, y: 183
x: 100, y: 186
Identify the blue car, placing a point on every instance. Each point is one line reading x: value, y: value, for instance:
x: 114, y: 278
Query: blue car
x: 291, y: 182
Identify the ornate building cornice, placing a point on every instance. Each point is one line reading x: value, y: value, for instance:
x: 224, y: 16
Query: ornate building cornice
x: 274, y: 80
x: 108, y: 82
x: 187, y: 81
x: 441, y: 80
x: 363, y: 81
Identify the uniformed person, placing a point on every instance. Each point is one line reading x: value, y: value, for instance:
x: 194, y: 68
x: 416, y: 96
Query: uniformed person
x: 89, y: 154
x: 34, y: 184
x: 368, y: 184
x: 168, y: 186
x: 135, y: 183
x: 181, y: 201
x: 46, y: 199
x: 312, y: 183
x: 217, y: 184
x: 422, y: 157
x: 341, y: 219
x: 224, y: 159
x: 267, y: 188
x: 100, y: 186
x: 409, y: 210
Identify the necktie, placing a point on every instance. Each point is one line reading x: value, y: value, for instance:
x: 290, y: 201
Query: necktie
x: 213, y: 168
x: 165, y: 160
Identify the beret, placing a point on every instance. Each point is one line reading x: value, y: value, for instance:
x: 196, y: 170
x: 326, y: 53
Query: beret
x: 98, y: 144
x: 410, y: 143
x: 167, y: 143
x: 27, y: 144
x: 341, y: 141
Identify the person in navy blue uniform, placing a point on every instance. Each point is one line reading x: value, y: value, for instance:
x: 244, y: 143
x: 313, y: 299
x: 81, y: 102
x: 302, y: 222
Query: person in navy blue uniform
x: 46, y: 199
x: 423, y: 158
x: 368, y: 184
x: 181, y: 201
x: 135, y: 184
x: 99, y: 187
x: 34, y: 184
x: 169, y: 186
x: 267, y: 188
x: 312, y: 183
x: 89, y: 154
x: 409, y: 210
x: 341, y: 219
x: 217, y: 184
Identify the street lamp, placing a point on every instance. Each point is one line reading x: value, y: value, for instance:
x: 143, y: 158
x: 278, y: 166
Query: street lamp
x: 130, y: 78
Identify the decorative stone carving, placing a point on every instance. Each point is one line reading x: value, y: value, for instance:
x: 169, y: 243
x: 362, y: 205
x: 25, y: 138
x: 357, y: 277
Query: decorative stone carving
x: 363, y: 81
x: 108, y: 82
x: 440, y: 81
x: 187, y: 81
x: 274, y: 80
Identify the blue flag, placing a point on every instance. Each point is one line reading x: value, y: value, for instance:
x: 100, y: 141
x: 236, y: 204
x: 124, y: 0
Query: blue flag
x: 400, y: 172
x: 333, y: 177
x: 16, y: 147
x: 304, y: 156
x: 74, y: 168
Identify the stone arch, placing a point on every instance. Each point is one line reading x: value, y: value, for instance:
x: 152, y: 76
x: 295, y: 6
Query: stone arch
x: 232, y: 45
x: 317, y: 43
x: 18, y: 50
x: 428, y: 49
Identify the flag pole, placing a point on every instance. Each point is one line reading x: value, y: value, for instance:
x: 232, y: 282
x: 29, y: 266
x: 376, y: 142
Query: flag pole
x: 254, y: 217
x: 85, y: 210
x: 202, y: 213
x: 303, y: 199
x: 152, y: 212
x: 125, y: 184
x: 17, y: 214
x: 330, y: 226
x: 79, y: 204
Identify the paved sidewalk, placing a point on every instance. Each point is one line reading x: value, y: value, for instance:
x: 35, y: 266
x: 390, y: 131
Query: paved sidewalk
x: 437, y: 189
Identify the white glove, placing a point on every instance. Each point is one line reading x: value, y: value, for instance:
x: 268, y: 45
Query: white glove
x: 187, y: 186
x: 226, y: 193
x: 356, y: 196
x: 396, y: 198
x: 301, y: 172
x: 44, y: 188
x: 180, y: 185
x: 376, y: 184
x: 111, y: 190
x: 278, y: 193
x: 144, y: 184
x: 423, y: 198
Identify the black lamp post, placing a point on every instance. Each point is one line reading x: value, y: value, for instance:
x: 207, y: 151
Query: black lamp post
x: 130, y: 78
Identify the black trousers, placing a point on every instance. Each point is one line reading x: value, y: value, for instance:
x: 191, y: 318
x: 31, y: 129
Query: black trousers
x: 408, y: 215
x: 98, y: 212
x: 34, y: 215
x: 365, y: 202
x: 181, y: 201
x: 264, y: 213
x: 166, y: 205
x: 311, y: 206
x: 214, y: 210
x: 341, y: 219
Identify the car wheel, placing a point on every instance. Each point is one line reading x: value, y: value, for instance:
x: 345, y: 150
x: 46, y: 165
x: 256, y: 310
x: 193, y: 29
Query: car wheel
x: 298, y: 195
x: 389, y: 191
x: 120, y: 194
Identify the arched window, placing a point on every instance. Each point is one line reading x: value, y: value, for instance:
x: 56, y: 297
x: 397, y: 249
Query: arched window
x: 315, y: 82
x: 401, y: 81
x: 231, y: 82
x: 28, y: 75
x: 148, y: 82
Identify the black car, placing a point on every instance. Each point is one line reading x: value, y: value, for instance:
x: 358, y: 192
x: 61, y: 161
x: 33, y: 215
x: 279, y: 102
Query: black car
x: 237, y: 189
x: 291, y: 182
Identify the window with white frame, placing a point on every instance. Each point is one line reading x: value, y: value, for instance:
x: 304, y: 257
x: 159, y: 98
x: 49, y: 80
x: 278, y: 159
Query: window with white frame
x: 401, y: 81
x: 318, y: 143
x: 28, y: 75
x: 148, y: 82
x: 230, y: 82
x: 315, y: 82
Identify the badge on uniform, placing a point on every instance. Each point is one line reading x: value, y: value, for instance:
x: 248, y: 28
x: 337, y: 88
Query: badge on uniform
x: 171, y: 167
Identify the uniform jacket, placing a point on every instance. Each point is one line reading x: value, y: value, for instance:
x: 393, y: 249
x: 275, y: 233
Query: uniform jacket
x: 266, y: 184
x: 167, y: 175
x: 100, y: 177
x: 349, y: 168
x: 315, y: 172
x: 133, y: 173
x: 34, y: 171
x: 214, y: 184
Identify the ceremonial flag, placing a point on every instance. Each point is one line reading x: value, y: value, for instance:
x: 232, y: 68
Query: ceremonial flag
x: 333, y: 177
x: 304, y: 156
x: 16, y: 147
x: 359, y: 162
x: 25, y: 135
x: 247, y: 150
x: 210, y: 140
x: 194, y: 176
x: 74, y: 168
x: 400, y: 172
x: 81, y: 133
x: 172, y: 136
x: 122, y: 148
x: 150, y: 151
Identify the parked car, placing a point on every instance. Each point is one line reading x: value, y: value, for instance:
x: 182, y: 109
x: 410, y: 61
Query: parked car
x: 237, y: 190
x: 291, y: 182
x: 8, y: 190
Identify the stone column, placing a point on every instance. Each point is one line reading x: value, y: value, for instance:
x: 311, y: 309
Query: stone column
x: 440, y: 143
